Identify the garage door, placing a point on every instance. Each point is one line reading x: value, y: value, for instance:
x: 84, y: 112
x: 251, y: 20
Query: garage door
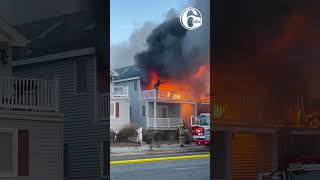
x: 251, y: 154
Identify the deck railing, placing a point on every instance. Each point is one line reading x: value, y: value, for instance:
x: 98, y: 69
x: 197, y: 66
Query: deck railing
x: 255, y: 111
x: 119, y: 92
x: 29, y: 94
x: 163, y: 123
x: 165, y: 95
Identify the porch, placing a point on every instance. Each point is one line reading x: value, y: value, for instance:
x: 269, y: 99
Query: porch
x: 21, y: 94
x: 164, y: 115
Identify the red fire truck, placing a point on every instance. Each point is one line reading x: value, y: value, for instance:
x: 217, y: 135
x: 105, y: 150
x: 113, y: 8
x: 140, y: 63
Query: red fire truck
x: 200, y: 126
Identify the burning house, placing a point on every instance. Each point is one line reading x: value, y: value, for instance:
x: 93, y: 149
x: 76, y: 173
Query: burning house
x: 265, y: 85
x: 170, y: 81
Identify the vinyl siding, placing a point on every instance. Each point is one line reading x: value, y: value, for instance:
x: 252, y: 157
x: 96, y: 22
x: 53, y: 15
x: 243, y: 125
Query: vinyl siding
x: 124, y: 115
x: 45, y: 146
x: 82, y: 132
x: 135, y: 102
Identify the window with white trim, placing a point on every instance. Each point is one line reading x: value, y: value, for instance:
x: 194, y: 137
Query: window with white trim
x: 8, y: 153
x: 143, y: 111
x: 81, y: 75
x: 112, y: 109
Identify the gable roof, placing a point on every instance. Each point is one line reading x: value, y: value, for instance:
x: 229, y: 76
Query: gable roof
x: 13, y: 36
x: 113, y: 73
x: 128, y: 72
x: 58, y: 34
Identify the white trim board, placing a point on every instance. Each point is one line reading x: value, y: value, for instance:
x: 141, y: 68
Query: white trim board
x: 16, y: 39
x: 56, y: 56
x: 127, y: 79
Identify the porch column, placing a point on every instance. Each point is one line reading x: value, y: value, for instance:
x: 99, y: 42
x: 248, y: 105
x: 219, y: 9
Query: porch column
x: 147, y: 115
x: 181, y: 118
x: 154, y: 114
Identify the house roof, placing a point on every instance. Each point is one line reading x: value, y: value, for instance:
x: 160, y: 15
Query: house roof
x: 113, y: 73
x: 13, y: 37
x: 57, y: 34
x: 128, y: 72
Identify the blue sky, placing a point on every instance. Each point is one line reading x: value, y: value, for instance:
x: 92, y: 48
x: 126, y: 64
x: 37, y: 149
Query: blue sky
x: 126, y: 15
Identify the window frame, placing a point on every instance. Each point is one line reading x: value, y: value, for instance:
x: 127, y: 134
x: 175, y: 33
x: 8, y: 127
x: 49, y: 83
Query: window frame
x: 114, y: 109
x: 75, y: 76
x: 163, y: 106
x: 14, y: 173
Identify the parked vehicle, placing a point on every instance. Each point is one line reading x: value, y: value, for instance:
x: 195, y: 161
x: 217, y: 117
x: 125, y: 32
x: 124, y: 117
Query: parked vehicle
x: 200, y: 126
x: 307, y: 168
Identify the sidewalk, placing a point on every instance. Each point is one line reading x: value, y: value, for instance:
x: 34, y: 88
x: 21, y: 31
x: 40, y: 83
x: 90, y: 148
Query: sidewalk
x: 164, y: 148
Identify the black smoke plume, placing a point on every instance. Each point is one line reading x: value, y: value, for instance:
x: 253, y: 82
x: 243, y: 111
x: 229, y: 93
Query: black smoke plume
x: 174, y: 52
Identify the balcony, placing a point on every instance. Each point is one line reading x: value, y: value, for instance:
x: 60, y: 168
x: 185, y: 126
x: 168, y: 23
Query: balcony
x: 20, y: 94
x: 258, y: 112
x: 119, y: 92
x: 165, y: 95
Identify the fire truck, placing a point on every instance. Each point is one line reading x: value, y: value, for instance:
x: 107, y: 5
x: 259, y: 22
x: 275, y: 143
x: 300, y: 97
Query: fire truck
x: 200, y: 128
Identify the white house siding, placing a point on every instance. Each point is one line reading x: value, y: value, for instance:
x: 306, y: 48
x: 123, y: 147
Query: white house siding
x: 135, y: 102
x: 45, y: 142
x: 83, y: 133
x: 124, y: 115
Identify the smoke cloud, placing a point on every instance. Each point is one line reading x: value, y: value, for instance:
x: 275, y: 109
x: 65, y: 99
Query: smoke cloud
x: 174, y: 52
x: 122, y: 54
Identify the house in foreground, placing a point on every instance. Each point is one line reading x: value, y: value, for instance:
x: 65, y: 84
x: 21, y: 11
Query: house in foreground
x: 119, y: 104
x: 31, y: 124
x: 66, y: 48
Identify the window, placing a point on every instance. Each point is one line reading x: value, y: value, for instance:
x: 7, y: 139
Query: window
x: 114, y: 109
x: 135, y: 85
x: 8, y: 153
x: 81, y: 74
x: 162, y: 112
x: 143, y: 111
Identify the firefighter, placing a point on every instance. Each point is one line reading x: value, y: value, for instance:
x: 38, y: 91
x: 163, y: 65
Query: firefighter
x: 182, y: 134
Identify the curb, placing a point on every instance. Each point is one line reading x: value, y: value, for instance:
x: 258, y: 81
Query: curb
x: 133, y: 161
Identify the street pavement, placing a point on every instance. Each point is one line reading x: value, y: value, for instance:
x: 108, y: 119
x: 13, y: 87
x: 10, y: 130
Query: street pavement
x: 189, y: 169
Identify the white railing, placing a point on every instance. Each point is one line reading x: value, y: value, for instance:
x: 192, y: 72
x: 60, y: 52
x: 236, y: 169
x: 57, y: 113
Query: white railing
x: 163, y: 123
x: 29, y: 94
x: 104, y: 107
x: 165, y: 95
x: 119, y: 92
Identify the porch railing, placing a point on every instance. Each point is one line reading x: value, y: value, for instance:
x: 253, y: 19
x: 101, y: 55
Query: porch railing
x: 29, y: 94
x: 104, y: 107
x: 163, y: 123
x: 255, y: 111
x: 119, y: 92
x: 165, y: 95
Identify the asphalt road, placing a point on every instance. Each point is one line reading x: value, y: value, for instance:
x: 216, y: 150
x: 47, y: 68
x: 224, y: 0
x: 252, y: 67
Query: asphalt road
x: 189, y: 169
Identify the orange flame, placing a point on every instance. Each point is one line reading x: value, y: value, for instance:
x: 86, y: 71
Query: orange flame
x: 179, y: 89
